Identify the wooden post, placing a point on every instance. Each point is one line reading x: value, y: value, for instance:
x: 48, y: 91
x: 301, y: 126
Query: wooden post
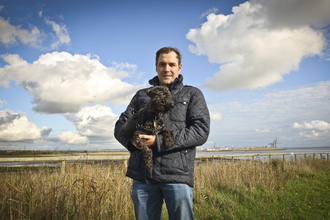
x: 125, y: 163
x: 305, y: 156
x: 283, y: 157
x: 270, y: 157
x: 63, y: 167
x: 295, y: 157
x: 327, y: 156
x: 232, y: 159
x: 321, y: 156
x: 313, y: 156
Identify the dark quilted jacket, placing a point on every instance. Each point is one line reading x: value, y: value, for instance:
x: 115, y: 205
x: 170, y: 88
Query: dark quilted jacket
x: 190, y: 122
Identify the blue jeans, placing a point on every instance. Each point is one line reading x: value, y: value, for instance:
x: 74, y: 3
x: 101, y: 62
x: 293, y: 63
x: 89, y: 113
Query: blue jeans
x: 148, y: 201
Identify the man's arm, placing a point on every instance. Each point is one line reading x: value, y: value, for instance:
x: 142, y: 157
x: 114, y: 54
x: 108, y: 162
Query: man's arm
x: 124, y: 140
x: 198, y: 125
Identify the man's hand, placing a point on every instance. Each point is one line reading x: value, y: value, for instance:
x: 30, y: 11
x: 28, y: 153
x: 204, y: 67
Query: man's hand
x: 151, y: 140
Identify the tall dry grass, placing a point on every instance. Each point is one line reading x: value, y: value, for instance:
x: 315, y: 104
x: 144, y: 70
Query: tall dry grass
x: 103, y: 192
x: 254, y: 174
x: 82, y: 192
x: 221, y: 188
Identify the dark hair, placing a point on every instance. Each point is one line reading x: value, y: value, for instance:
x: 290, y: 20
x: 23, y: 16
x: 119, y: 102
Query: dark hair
x: 168, y: 50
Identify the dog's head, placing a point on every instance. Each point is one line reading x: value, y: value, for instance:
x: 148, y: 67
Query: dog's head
x: 160, y: 99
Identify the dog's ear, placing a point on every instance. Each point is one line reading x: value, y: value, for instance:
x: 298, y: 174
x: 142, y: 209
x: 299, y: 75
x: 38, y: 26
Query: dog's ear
x: 148, y: 92
x: 152, y: 92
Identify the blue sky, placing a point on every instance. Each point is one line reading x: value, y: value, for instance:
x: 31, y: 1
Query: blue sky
x: 69, y: 68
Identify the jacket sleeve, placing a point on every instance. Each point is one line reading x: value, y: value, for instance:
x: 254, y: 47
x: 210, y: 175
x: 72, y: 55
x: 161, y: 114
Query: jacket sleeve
x: 197, y: 127
x: 125, y: 140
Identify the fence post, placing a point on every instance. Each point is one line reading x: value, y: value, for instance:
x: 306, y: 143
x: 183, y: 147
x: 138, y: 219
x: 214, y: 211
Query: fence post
x: 283, y: 157
x: 313, y: 156
x: 327, y: 156
x: 305, y: 156
x: 125, y: 163
x: 321, y: 156
x: 232, y: 159
x: 270, y: 157
x: 63, y: 167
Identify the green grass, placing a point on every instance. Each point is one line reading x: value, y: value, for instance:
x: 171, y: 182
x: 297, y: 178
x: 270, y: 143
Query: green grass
x: 300, y: 195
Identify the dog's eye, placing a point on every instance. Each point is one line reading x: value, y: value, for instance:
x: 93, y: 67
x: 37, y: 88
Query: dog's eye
x: 163, y: 101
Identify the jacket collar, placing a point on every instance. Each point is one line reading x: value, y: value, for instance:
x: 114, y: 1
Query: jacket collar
x: 176, y: 85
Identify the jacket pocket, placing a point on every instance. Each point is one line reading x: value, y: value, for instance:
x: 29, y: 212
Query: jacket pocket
x: 174, y: 163
x: 184, y: 159
x: 134, y: 160
x: 179, y: 111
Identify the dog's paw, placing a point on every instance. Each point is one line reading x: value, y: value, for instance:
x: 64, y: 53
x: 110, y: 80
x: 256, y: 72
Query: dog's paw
x: 147, y: 155
x: 169, y: 138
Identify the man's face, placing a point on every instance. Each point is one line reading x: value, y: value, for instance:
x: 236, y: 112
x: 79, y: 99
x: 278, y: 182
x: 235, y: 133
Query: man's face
x: 168, y: 68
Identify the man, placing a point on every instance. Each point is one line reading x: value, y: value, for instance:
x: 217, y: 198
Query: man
x: 171, y: 177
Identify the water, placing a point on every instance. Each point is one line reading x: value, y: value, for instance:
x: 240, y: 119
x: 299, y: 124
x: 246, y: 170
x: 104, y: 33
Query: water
x: 238, y: 154
x: 288, y: 150
x: 291, y: 151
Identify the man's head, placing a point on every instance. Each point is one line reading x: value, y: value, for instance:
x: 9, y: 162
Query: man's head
x: 168, y: 65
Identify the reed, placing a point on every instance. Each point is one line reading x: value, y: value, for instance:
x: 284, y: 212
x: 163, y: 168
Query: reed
x: 239, y: 190
x: 258, y: 190
x: 81, y: 192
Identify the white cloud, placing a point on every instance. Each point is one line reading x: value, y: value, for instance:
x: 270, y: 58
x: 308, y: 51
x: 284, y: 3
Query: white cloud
x: 124, y: 69
x: 15, y: 127
x: 210, y: 143
x: 313, y: 125
x: 315, y: 134
x: 274, y: 114
x: 61, y: 82
x: 266, y: 130
x: 61, y: 34
x: 216, y: 116
x: 72, y: 137
x: 1, y: 7
x: 2, y: 102
x: 10, y: 34
x: 254, y: 46
x: 94, y: 121
x: 295, y: 13
x: 314, y: 129
x: 212, y: 10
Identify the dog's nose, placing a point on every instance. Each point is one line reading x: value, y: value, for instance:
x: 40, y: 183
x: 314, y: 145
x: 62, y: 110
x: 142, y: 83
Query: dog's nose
x: 163, y: 101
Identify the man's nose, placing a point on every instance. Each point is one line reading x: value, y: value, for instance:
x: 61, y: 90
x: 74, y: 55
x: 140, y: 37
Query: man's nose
x: 167, y: 67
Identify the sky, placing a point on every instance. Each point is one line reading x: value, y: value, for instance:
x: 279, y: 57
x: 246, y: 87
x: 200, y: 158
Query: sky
x: 68, y: 69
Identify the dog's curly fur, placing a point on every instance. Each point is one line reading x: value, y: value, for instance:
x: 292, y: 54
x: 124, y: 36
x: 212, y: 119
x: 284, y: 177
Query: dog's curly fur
x: 149, y: 120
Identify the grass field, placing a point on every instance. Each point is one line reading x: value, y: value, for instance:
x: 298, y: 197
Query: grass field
x: 241, y: 190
